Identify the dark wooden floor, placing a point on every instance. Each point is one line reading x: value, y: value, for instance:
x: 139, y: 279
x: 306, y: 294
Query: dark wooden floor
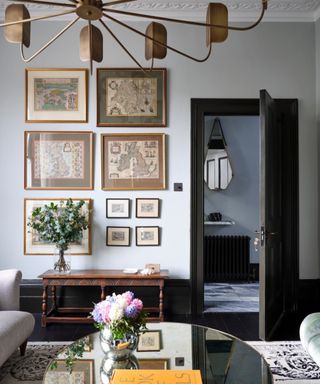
x: 241, y: 325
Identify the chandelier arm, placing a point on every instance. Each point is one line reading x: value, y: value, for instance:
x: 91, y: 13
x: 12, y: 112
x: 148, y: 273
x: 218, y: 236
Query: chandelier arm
x: 190, y: 22
x: 122, y: 46
x: 36, y: 18
x: 48, y: 43
x: 160, y: 43
x: 54, y: 3
x: 74, y: 1
x: 117, y: 2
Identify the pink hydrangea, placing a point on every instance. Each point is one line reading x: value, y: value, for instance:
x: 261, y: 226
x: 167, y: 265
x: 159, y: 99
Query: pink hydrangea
x: 138, y: 304
x: 128, y: 296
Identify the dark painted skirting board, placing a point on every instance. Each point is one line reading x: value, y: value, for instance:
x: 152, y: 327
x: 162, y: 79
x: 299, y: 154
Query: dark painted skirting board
x: 176, y: 296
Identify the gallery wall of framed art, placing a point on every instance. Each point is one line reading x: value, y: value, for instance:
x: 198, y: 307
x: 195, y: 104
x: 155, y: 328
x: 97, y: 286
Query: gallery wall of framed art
x: 63, y: 159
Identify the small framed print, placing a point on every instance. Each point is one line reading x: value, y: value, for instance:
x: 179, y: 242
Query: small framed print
x: 147, y: 236
x: 56, y: 95
x: 58, y: 160
x: 133, y: 161
x: 59, y: 372
x: 129, y: 97
x: 147, y: 208
x: 149, y: 341
x: 118, y: 208
x: 153, y: 363
x: 32, y: 243
x: 118, y: 236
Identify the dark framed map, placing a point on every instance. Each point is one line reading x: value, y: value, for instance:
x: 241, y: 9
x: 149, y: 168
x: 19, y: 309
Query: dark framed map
x: 133, y: 161
x: 130, y: 97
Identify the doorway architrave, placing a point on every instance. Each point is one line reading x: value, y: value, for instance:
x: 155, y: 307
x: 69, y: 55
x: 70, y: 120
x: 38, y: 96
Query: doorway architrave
x: 287, y: 114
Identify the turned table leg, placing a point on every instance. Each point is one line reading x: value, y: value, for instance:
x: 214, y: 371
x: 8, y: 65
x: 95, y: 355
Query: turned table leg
x: 44, y: 306
x: 54, y: 297
x: 102, y: 297
x: 161, y: 302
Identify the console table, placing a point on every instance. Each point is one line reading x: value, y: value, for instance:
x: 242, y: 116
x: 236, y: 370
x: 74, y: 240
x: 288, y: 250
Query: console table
x: 94, y: 277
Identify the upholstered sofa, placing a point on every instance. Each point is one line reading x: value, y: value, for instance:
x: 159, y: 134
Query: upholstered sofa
x: 15, y: 326
x: 310, y: 335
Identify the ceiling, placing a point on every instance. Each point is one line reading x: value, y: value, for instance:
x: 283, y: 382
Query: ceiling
x: 239, y: 10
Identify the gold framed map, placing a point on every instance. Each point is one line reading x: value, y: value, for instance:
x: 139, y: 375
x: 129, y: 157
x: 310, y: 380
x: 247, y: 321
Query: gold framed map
x: 59, y: 372
x: 58, y: 160
x: 130, y: 97
x: 133, y: 161
x: 34, y: 246
x: 56, y: 95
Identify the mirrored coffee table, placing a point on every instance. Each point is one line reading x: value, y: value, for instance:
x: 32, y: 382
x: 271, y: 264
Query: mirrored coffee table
x: 221, y: 358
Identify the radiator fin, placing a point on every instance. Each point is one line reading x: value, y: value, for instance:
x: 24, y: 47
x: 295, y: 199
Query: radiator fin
x: 226, y: 258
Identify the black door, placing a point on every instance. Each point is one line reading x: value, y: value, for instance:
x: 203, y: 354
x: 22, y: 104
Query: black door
x: 271, y: 256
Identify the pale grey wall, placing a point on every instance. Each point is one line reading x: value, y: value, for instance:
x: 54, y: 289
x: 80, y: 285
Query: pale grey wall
x: 240, y: 201
x: 276, y: 56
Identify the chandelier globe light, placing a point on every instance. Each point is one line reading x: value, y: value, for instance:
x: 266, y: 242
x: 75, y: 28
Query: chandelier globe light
x: 17, y: 28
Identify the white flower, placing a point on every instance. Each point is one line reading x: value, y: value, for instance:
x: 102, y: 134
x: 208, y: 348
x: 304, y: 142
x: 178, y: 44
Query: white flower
x: 122, y: 302
x: 116, y: 312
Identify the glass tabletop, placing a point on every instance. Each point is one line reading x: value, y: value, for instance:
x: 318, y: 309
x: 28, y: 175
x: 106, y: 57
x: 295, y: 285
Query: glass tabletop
x: 221, y: 358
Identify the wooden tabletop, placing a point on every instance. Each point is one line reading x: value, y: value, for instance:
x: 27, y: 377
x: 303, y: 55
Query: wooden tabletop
x: 102, y: 273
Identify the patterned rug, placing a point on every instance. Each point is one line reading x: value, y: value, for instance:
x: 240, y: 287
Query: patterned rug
x: 288, y: 361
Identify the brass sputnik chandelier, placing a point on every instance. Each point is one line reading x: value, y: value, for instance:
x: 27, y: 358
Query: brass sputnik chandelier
x: 18, y: 22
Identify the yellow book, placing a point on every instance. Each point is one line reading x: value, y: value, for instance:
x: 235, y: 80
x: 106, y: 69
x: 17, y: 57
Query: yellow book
x: 147, y: 376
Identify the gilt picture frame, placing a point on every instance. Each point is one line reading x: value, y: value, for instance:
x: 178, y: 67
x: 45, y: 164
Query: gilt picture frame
x: 129, y: 97
x: 58, y: 160
x: 82, y: 372
x: 56, y: 95
x: 34, y: 246
x: 118, y: 236
x: 133, y: 161
x: 153, y: 363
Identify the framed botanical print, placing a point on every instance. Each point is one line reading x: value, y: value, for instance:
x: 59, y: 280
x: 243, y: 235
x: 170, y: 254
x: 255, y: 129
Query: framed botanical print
x: 118, y: 208
x: 133, y: 161
x: 118, y: 236
x: 59, y: 372
x: 58, y: 160
x: 56, y: 95
x: 129, y: 97
x: 147, y: 236
x: 147, y: 208
x: 32, y: 243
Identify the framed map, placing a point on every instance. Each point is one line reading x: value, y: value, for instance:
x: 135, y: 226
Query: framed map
x: 58, y: 160
x: 133, y: 161
x: 59, y: 372
x: 131, y: 97
x: 34, y: 246
x: 56, y: 95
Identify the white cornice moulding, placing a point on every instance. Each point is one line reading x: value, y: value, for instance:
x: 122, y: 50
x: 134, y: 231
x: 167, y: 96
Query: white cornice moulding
x: 239, y: 10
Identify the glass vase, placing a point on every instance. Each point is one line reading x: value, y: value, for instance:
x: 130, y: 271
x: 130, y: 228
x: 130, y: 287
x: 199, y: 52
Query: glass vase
x: 62, y: 261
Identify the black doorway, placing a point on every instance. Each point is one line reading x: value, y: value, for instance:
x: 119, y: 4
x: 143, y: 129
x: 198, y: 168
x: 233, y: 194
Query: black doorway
x: 287, y: 115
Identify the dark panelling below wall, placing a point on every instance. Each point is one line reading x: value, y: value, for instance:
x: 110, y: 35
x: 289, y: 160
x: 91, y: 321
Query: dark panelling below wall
x: 176, y: 296
x: 308, y: 296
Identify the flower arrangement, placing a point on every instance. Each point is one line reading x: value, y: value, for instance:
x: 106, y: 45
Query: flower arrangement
x: 122, y: 314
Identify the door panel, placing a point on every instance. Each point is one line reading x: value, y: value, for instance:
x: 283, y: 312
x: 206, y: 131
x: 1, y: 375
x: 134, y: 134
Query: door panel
x: 271, y: 259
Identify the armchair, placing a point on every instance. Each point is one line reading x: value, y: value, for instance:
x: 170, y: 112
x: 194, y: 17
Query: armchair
x: 15, y: 326
x: 310, y: 335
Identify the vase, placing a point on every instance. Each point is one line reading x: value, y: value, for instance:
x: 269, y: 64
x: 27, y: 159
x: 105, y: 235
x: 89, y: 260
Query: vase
x: 109, y: 365
x: 117, y: 349
x: 62, y: 260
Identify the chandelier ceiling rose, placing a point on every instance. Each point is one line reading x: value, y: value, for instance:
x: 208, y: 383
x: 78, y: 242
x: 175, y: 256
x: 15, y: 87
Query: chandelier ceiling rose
x: 17, y: 28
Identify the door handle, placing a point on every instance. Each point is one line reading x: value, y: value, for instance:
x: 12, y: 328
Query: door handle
x: 260, y: 235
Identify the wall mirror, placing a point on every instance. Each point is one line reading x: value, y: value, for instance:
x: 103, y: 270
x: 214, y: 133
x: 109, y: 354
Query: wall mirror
x: 217, y: 167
